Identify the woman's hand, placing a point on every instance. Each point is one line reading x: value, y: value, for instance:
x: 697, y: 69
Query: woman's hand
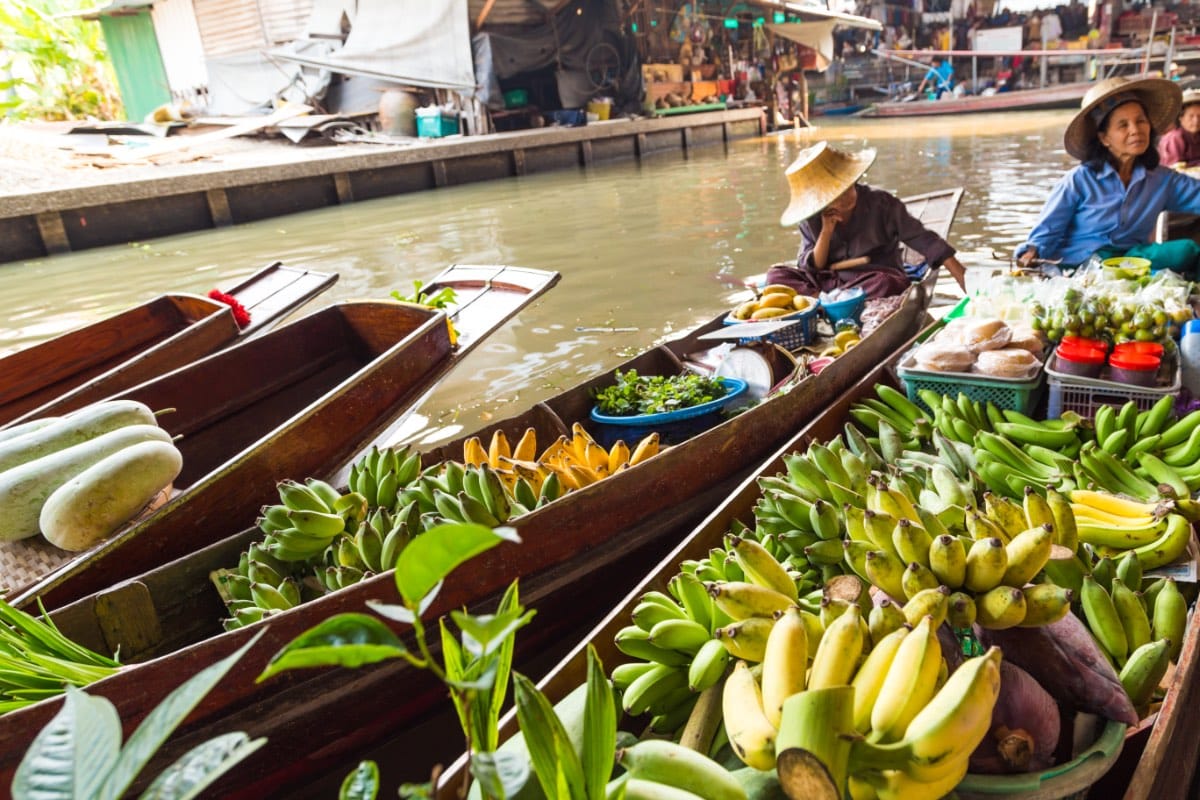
x: 1026, y: 258
x: 830, y: 217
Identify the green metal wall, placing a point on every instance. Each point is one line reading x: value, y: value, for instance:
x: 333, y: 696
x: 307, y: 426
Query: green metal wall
x: 133, y: 47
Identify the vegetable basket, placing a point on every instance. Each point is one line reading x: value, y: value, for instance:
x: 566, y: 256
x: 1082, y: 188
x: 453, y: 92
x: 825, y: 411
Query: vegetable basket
x: 672, y: 426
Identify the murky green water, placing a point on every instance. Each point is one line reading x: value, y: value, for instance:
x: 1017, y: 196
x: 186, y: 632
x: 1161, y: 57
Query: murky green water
x: 651, y: 246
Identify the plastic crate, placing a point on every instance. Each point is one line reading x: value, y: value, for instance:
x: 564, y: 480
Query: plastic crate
x: 1004, y: 393
x: 793, y: 337
x: 436, y: 125
x: 516, y: 98
x: 1085, y: 395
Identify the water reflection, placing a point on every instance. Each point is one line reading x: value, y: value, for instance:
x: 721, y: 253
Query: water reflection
x: 655, y: 247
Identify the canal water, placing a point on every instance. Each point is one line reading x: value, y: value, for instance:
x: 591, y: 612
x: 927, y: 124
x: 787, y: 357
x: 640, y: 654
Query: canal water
x: 646, y: 250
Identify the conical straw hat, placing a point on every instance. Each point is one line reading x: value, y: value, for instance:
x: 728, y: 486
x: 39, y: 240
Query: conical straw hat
x: 1161, y: 98
x: 818, y: 175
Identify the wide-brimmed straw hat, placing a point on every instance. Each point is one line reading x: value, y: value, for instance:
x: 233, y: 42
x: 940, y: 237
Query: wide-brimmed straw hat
x: 1161, y: 98
x: 818, y: 175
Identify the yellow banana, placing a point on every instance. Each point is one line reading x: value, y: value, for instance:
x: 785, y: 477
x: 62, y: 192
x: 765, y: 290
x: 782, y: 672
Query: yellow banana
x: 746, y: 639
x: 1027, y: 553
x: 838, y: 654
x: 618, y: 455
x: 869, y: 679
x: 909, y: 683
x: 785, y: 663
x: 498, y: 447
x: 1000, y: 608
x: 934, y: 603
x: 646, y: 448
x: 526, y: 449
x: 474, y: 453
x: 1113, y: 504
x: 948, y: 560
x: 741, y: 599
x: 761, y: 567
x: 750, y: 733
x: 987, y: 562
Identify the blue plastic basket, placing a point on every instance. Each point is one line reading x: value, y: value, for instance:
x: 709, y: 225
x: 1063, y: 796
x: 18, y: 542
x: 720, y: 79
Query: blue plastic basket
x: 735, y: 386
x: 850, y: 308
x: 672, y: 427
x: 791, y: 337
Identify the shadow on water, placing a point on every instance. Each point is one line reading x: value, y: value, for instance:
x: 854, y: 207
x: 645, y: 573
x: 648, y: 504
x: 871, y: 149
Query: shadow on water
x: 655, y: 246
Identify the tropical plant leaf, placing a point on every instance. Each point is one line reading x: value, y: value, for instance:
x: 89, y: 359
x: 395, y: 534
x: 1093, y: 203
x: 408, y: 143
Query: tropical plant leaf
x: 553, y: 757
x: 160, y: 723
x: 599, y: 728
x: 452, y: 659
x: 484, y: 634
x: 343, y: 640
x: 73, y: 754
x: 403, y: 613
x: 433, y: 555
x: 362, y: 783
x: 199, y: 767
x: 504, y: 659
x: 500, y: 774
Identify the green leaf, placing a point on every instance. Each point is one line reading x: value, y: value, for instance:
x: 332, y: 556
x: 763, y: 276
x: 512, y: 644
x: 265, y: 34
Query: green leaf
x: 483, y: 677
x: 343, y: 640
x: 504, y: 659
x: 71, y: 756
x: 485, y: 633
x: 162, y: 721
x: 402, y: 613
x: 433, y: 555
x: 362, y: 783
x: 199, y: 767
x: 452, y: 658
x: 599, y: 727
x: 550, y: 748
x: 500, y: 774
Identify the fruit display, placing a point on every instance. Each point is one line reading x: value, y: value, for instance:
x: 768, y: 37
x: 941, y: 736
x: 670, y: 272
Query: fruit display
x: 773, y: 301
x: 318, y: 539
x: 1112, y: 315
x: 79, y: 478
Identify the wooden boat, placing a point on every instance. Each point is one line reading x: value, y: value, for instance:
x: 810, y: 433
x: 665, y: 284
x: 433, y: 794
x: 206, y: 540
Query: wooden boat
x: 297, y: 401
x: 1063, y: 95
x: 582, y: 546
x: 1159, y: 764
x: 143, y: 342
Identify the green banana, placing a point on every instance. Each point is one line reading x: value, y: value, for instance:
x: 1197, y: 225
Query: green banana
x: 708, y: 666
x: 1144, y: 670
x: 1103, y: 620
x: 1170, y: 616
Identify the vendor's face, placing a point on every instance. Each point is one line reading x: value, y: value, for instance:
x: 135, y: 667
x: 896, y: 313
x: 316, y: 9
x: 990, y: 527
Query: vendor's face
x: 845, y: 202
x: 1189, y: 120
x: 1127, y: 131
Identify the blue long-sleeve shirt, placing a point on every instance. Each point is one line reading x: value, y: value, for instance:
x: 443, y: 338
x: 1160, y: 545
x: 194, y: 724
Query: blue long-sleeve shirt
x: 1090, y: 209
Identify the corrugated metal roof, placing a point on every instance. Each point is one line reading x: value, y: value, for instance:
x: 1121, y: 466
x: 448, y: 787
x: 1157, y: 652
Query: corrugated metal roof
x: 235, y: 26
x: 514, y: 12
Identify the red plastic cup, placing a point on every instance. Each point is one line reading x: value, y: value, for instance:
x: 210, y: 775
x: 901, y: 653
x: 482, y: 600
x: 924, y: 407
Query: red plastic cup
x: 1070, y: 340
x: 1142, y: 348
x: 1082, y: 362
x: 1139, y: 369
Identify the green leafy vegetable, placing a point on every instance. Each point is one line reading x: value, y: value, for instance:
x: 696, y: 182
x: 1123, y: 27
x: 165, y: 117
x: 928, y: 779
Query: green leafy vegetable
x: 636, y: 394
x: 442, y: 298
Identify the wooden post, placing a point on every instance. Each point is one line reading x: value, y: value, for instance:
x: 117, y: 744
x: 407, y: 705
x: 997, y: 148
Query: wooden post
x: 218, y: 208
x: 53, y: 232
x: 341, y: 183
x: 769, y: 79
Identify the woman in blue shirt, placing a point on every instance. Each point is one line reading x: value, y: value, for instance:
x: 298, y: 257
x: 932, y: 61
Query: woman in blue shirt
x: 1108, y: 205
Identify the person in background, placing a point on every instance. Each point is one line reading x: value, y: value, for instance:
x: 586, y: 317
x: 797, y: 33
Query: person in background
x: 850, y: 232
x: 1181, y: 145
x: 940, y: 77
x: 1108, y: 205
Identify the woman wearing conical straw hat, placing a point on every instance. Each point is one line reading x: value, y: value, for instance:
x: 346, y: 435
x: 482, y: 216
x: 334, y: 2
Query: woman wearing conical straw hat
x: 1180, y: 147
x: 850, y: 232
x: 1108, y: 205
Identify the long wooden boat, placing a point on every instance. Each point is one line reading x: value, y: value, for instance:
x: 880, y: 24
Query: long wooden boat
x: 1063, y: 95
x: 300, y: 400
x: 1163, y: 768
x: 143, y: 342
x: 582, y: 547
x: 590, y: 537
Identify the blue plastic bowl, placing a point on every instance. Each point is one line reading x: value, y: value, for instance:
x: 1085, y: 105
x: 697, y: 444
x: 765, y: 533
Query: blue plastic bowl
x: 850, y: 308
x: 736, y: 386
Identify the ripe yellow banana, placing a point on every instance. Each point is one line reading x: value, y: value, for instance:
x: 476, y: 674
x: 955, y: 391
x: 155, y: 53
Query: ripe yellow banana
x: 869, y: 679
x: 761, y: 567
x: 928, y: 603
x: 1113, y: 504
x: 785, y: 663
x: 746, y: 639
x: 909, y: 683
x: 1000, y: 608
x: 1026, y: 554
x: 741, y: 599
x: 987, y: 562
x: 1045, y: 603
x: 618, y: 455
x: 838, y: 654
x: 474, y: 453
x: 498, y: 447
x: 526, y: 449
x: 750, y: 733
x: 646, y: 448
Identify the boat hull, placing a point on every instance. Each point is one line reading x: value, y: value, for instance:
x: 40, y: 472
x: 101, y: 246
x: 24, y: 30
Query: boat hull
x: 1065, y: 95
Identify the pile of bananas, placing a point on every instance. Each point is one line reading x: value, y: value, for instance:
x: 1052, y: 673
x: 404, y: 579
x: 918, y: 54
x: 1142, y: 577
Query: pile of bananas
x: 568, y: 463
x: 775, y: 300
x: 842, y: 341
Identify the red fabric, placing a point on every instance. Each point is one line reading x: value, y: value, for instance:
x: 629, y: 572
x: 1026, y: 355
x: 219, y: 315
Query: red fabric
x: 240, y: 315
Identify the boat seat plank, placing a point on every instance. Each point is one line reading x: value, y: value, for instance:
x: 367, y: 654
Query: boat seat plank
x: 278, y: 290
x: 127, y: 618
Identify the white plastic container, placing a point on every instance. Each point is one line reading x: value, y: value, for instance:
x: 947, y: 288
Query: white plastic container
x: 1189, y: 356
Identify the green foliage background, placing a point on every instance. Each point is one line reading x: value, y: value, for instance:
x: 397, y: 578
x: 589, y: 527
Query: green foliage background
x: 54, y: 67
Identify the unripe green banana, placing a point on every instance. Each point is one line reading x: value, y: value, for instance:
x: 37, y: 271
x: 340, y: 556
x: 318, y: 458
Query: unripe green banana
x: 691, y: 594
x: 684, y: 635
x: 647, y: 614
x: 750, y: 733
x: 267, y: 597
x: 635, y: 642
x: 1144, y: 670
x: 1102, y: 619
x: 317, y: 523
x: 1001, y: 607
x: 652, y: 687
x: 670, y: 764
x: 987, y: 562
x: 708, y: 666
x: 1132, y: 614
x: 785, y: 663
x: 1170, y: 617
x: 298, y: 497
x: 625, y: 674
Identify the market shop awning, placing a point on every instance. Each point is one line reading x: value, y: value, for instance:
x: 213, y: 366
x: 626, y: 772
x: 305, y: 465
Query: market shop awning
x: 815, y: 35
x: 809, y: 13
x: 413, y: 42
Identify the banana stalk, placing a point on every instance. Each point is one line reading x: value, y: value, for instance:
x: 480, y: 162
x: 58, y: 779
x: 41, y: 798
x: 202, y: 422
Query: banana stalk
x: 813, y: 746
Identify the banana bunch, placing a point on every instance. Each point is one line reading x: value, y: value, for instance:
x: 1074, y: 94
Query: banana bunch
x: 259, y: 587
x: 842, y: 341
x: 1123, y: 618
x: 311, y: 516
x: 898, y: 423
x: 373, y: 548
x: 1112, y: 525
x: 569, y: 463
x: 929, y: 751
x: 1166, y: 451
x: 660, y: 770
x: 380, y: 475
x: 775, y: 300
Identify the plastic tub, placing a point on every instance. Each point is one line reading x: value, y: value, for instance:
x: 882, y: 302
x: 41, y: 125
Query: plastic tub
x: 734, y: 387
x: 1144, y: 348
x: 672, y: 427
x: 1080, y: 362
x: 849, y: 308
x: 1135, y: 368
x: 1080, y: 341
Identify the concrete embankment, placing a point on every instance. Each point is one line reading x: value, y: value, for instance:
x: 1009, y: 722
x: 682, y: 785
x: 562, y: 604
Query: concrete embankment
x: 133, y: 203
